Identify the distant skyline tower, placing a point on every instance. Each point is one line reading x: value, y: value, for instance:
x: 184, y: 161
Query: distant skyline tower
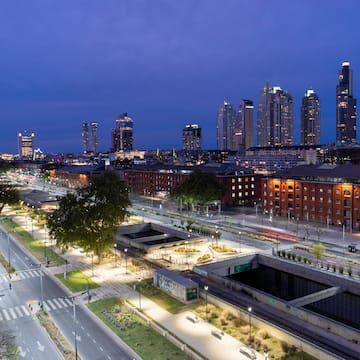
x: 89, y: 135
x: 225, y: 126
x: 310, y: 119
x: 275, y: 118
x: 191, y: 137
x: 122, y: 134
x: 345, y: 107
x: 26, y: 144
x: 244, y: 126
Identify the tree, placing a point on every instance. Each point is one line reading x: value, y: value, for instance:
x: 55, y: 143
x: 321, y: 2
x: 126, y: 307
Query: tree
x: 9, y: 195
x: 90, y: 217
x: 199, y: 189
x: 318, y: 250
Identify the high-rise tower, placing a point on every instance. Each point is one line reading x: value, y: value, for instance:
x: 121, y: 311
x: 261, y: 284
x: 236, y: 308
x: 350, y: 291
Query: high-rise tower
x: 310, y: 119
x: 122, y: 135
x: 89, y: 136
x: 26, y: 144
x: 225, y: 126
x: 191, y: 137
x: 345, y: 107
x: 275, y: 120
x: 244, y: 126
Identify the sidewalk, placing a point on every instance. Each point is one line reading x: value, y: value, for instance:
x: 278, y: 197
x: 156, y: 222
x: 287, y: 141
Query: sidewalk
x: 112, y: 279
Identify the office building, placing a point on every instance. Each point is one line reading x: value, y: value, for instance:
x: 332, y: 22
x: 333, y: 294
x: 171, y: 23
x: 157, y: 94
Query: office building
x: 122, y: 134
x: 345, y: 107
x: 244, y: 126
x: 225, y: 126
x: 191, y: 138
x: 89, y: 134
x: 275, y: 118
x: 310, y: 119
x: 26, y: 144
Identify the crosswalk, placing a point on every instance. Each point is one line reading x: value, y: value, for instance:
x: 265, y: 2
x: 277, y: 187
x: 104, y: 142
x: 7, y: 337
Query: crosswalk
x: 20, y: 311
x: 20, y: 276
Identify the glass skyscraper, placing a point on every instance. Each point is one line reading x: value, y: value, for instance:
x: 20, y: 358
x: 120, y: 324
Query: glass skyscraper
x: 310, y: 119
x: 244, y: 126
x: 225, y: 127
x: 345, y: 107
x: 89, y: 135
x: 191, y: 137
x: 122, y: 135
x: 275, y: 119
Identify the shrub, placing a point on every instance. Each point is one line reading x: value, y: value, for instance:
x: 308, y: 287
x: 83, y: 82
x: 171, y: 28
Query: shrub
x: 327, y: 266
x: 309, y: 261
x: 299, y: 258
x: 237, y: 322
x: 230, y: 316
x: 279, y: 253
x: 289, y: 255
x: 283, y: 253
x: 293, y: 256
x: 350, y: 270
x: 358, y: 274
x: 334, y: 267
x: 321, y: 265
x: 223, y: 322
x: 284, y: 346
x: 341, y: 269
x: 264, y: 335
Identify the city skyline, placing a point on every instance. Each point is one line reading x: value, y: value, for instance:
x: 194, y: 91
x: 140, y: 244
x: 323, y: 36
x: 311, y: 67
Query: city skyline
x: 166, y: 64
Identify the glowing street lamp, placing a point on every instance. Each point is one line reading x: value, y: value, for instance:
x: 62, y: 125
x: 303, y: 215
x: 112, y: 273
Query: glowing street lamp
x: 249, y: 312
x: 125, y: 251
x: 206, y: 288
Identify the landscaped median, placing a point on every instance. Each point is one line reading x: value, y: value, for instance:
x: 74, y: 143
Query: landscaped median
x: 34, y: 246
x: 135, y: 332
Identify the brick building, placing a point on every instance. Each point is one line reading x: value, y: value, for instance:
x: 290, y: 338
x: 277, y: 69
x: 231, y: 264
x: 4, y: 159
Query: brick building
x: 324, y: 193
x: 242, y: 185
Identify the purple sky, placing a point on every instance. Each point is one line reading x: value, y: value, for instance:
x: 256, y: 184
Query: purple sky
x: 167, y: 63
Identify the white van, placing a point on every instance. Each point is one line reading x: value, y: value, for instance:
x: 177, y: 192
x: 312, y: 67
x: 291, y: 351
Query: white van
x: 251, y: 354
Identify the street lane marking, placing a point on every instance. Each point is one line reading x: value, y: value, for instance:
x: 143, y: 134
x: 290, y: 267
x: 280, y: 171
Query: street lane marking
x: 25, y: 310
x: 12, y: 312
x: 68, y: 301
x: 57, y: 303
x: 1, y: 318
x: 7, y: 317
x: 51, y: 304
x: 63, y: 302
x: 47, y: 307
x: 18, y: 311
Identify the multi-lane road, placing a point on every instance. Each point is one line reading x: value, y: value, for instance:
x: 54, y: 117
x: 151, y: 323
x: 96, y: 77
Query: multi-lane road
x: 93, y: 340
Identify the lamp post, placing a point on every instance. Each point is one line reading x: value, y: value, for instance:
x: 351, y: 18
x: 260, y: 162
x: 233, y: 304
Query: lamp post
x: 240, y: 240
x: 45, y: 255
x: 139, y: 290
x: 249, y: 312
x: 9, y: 263
x: 343, y: 238
x: 92, y: 264
x: 115, y: 248
x: 206, y: 288
x: 125, y: 251
x: 41, y: 282
x: 66, y: 269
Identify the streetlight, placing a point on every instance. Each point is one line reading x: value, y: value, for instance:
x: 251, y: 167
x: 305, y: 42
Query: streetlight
x: 249, y: 311
x: 41, y: 282
x: 343, y: 238
x: 66, y: 269
x: 115, y: 248
x: 125, y: 251
x: 206, y: 288
x: 240, y: 240
x: 9, y: 263
x: 139, y: 290
x: 45, y: 255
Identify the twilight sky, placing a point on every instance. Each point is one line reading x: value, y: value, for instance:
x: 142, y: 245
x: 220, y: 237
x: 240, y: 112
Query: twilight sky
x: 167, y: 63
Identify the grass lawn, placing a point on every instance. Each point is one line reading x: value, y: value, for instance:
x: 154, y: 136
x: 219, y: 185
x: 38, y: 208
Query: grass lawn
x: 77, y: 281
x: 144, y: 340
x: 34, y: 246
x: 159, y: 297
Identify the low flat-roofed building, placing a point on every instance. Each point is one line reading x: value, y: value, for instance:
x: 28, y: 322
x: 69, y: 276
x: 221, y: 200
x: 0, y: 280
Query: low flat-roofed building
x: 176, y: 285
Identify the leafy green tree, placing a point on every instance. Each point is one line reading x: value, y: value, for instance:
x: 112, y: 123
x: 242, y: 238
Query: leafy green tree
x: 199, y: 190
x: 90, y: 217
x: 9, y: 195
x: 318, y: 250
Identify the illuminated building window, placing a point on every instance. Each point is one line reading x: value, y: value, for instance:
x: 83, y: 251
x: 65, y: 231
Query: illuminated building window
x: 347, y: 193
x: 240, y: 187
x: 233, y: 195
